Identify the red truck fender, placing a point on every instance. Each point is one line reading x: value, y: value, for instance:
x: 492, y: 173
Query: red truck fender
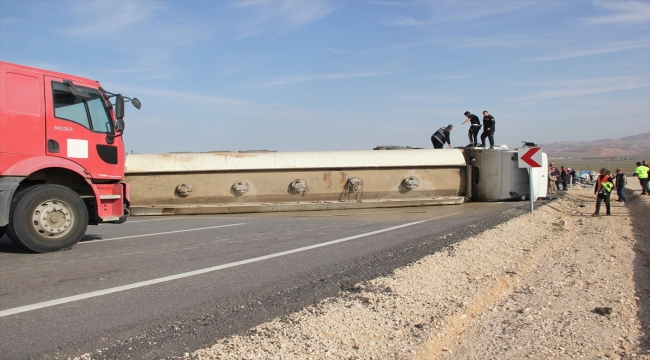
x: 14, y: 175
x: 31, y: 165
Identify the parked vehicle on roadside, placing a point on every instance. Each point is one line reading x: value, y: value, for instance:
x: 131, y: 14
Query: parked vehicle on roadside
x: 61, y: 157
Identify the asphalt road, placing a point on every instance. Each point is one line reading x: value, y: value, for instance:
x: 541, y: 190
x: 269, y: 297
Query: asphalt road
x: 157, y: 287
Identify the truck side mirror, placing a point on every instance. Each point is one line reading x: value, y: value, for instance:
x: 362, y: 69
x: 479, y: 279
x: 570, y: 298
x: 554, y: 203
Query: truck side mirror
x: 119, y: 107
x: 136, y: 103
x: 119, y: 125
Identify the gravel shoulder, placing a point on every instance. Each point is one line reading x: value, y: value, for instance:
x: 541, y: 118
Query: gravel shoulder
x: 531, y: 287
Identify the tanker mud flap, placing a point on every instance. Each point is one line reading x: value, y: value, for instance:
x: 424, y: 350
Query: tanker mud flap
x: 8, y: 186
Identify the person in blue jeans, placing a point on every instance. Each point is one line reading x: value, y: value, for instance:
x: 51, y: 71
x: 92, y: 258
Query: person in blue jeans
x: 488, y: 129
x: 621, y: 181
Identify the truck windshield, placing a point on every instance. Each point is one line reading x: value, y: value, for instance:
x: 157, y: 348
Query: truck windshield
x: 90, y: 113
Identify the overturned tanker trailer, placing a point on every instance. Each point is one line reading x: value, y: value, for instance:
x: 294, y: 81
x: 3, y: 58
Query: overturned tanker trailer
x: 241, y: 182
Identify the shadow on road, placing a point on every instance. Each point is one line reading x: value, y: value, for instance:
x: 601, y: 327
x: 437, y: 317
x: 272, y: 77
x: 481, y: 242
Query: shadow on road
x: 90, y: 237
x: 639, y: 210
x: 6, y: 246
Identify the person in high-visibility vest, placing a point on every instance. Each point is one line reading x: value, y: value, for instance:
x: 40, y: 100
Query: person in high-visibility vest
x: 602, y: 190
x: 641, y: 172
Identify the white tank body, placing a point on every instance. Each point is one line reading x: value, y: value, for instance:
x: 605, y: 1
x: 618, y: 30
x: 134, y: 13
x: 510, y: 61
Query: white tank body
x: 227, y: 182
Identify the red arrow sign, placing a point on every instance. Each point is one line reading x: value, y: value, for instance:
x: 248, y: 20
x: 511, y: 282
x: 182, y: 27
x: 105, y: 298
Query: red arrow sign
x: 527, y: 157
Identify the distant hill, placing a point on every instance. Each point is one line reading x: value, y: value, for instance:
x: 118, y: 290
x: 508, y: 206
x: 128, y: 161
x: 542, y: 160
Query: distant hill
x: 636, y: 146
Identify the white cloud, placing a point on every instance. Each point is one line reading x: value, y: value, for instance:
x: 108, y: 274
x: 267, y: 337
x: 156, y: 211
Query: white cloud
x: 621, y: 13
x: 180, y: 96
x: 280, y: 17
x: 581, y: 87
x: 468, y: 13
x: 140, y: 30
x: 297, y: 79
x: 387, y: 49
x: 500, y: 41
x: 108, y: 18
x: 602, y: 49
x: 401, y: 20
x: 426, y: 98
x: 445, y: 76
x: 10, y: 21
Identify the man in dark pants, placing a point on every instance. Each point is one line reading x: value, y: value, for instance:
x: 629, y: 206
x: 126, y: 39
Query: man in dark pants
x: 602, y: 190
x: 442, y: 136
x: 574, y: 176
x: 563, y: 177
x: 474, y: 127
x: 641, y: 172
x: 621, y: 181
x: 488, y: 129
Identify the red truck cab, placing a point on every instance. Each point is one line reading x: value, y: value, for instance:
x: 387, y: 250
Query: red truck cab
x: 61, y: 157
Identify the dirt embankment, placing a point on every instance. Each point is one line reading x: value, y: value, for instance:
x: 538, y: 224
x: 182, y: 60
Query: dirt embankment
x: 539, y: 286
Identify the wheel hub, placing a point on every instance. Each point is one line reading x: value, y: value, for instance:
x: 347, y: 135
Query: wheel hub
x: 52, y: 218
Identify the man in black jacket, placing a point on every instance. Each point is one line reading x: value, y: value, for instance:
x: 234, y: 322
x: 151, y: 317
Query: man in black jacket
x: 442, y: 136
x: 564, y: 175
x: 474, y: 127
x: 488, y: 129
x: 621, y: 181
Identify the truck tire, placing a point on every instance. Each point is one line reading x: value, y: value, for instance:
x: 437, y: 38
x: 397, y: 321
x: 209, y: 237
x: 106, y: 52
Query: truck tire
x: 2, y: 231
x: 46, y: 218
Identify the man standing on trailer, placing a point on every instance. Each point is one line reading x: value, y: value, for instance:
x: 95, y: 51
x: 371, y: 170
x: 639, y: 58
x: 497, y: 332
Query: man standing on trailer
x: 474, y: 127
x: 442, y: 136
x: 488, y: 129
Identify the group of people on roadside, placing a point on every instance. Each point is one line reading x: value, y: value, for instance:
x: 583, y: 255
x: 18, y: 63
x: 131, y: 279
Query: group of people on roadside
x: 562, y: 176
x: 606, y: 182
x: 443, y: 135
x: 604, y: 185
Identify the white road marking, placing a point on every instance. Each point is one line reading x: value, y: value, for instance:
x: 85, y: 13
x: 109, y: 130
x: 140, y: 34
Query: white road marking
x: 165, y: 218
x: 169, y: 218
x: 92, y: 294
x: 160, y: 233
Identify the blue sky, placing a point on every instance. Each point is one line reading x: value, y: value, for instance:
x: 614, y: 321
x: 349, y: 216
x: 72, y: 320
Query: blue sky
x: 347, y: 75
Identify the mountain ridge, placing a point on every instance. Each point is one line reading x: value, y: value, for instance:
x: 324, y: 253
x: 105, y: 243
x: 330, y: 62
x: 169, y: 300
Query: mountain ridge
x: 634, y: 146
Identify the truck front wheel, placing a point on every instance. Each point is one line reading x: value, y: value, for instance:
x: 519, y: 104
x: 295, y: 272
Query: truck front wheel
x: 47, y: 218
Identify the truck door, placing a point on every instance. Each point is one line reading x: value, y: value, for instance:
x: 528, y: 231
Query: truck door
x: 80, y: 128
